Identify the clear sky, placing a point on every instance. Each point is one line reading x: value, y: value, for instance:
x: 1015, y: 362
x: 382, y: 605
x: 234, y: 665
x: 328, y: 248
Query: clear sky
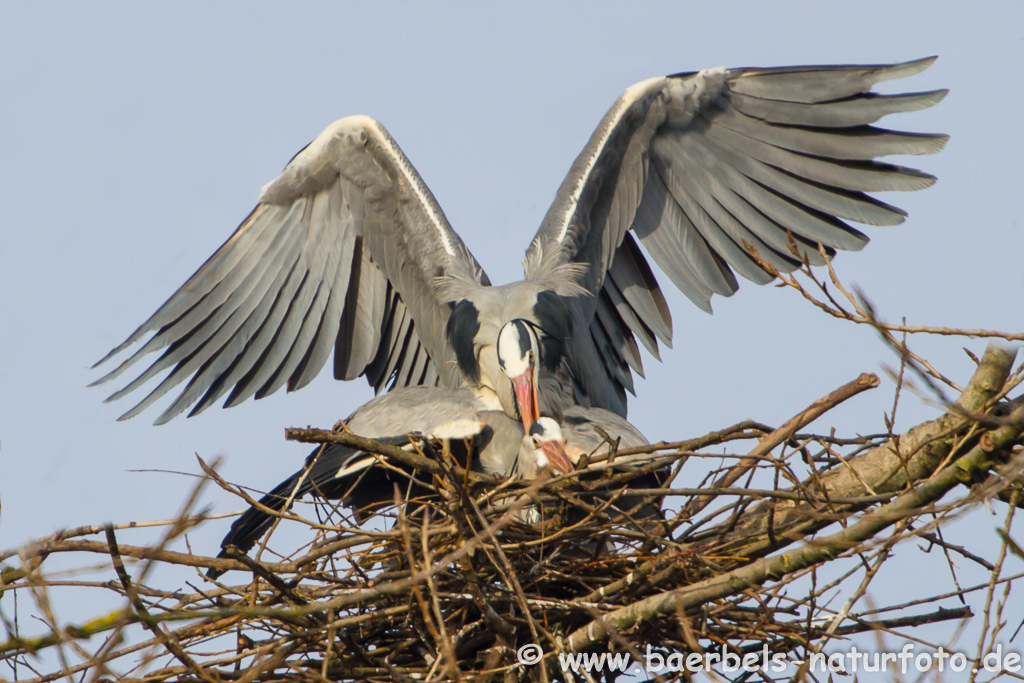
x: 135, y: 137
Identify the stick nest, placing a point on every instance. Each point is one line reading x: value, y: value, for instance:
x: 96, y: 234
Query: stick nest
x: 450, y: 587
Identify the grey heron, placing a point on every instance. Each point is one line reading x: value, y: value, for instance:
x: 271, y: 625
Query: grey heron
x: 347, y: 250
x: 498, y: 446
x: 580, y: 430
x: 593, y: 432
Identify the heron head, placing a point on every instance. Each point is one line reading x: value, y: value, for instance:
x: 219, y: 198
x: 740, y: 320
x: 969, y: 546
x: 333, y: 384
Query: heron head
x: 517, y: 350
x: 548, y: 445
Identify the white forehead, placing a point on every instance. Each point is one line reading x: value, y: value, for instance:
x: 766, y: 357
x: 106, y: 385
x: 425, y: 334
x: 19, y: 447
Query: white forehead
x: 546, y: 429
x: 514, y: 344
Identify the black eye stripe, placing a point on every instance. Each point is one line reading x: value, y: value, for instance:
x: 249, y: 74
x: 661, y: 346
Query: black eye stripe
x: 522, y: 325
x: 522, y: 336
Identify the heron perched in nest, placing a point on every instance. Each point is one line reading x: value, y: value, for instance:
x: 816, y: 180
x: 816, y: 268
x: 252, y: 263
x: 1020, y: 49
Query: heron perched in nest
x: 347, y: 250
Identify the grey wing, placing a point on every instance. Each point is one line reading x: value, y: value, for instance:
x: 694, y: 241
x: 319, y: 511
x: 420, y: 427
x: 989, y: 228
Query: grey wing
x: 701, y: 165
x: 444, y: 414
x: 414, y: 409
x: 341, y: 254
x: 580, y: 427
x: 499, y: 452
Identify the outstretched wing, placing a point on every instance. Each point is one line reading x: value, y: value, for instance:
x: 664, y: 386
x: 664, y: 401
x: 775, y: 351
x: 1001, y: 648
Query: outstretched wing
x: 341, y: 253
x: 700, y: 165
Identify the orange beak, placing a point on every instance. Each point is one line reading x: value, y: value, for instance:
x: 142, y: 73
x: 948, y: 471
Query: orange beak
x: 557, y: 457
x: 526, y: 398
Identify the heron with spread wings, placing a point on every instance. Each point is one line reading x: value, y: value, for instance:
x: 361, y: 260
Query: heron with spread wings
x: 347, y: 250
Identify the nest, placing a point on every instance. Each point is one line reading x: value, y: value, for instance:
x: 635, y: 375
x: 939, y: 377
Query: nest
x: 454, y: 586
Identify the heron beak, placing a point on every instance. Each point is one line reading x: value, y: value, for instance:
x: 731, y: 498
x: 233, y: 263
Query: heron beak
x: 526, y: 398
x: 557, y: 457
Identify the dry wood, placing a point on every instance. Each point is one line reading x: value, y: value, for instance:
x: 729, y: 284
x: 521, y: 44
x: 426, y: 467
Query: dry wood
x: 452, y: 591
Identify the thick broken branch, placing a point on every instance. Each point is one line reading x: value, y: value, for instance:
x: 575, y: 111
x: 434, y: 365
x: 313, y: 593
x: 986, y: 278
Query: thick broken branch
x: 888, y: 468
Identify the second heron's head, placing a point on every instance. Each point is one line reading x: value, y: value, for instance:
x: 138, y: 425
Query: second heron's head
x: 547, y: 446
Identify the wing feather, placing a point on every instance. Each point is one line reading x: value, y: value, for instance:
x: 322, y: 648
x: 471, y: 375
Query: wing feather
x: 230, y: 264
x: 821, y: 83
x: 636, y: 281
x: 699, y: 193
x: 860, y: 143
x: 400, y: 348
x: 636, y: 294
x: 214, y: 302
x: 209, y: 338
x: 856, y: 111
x: 339, y: 270
x: 856, y: 176
x: 702, y: 165
x: 620, y: 336
x: 630, y: 318
x: 306, y: 312
x: 347, y: 224
x: 363, y: 318
x: 305, y: 278
x: 828, y: 186
x: 612, y: 359
x: 394, y: 315
x: 430, y: 377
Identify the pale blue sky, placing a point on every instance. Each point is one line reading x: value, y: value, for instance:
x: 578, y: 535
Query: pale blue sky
x: 135, y: 137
